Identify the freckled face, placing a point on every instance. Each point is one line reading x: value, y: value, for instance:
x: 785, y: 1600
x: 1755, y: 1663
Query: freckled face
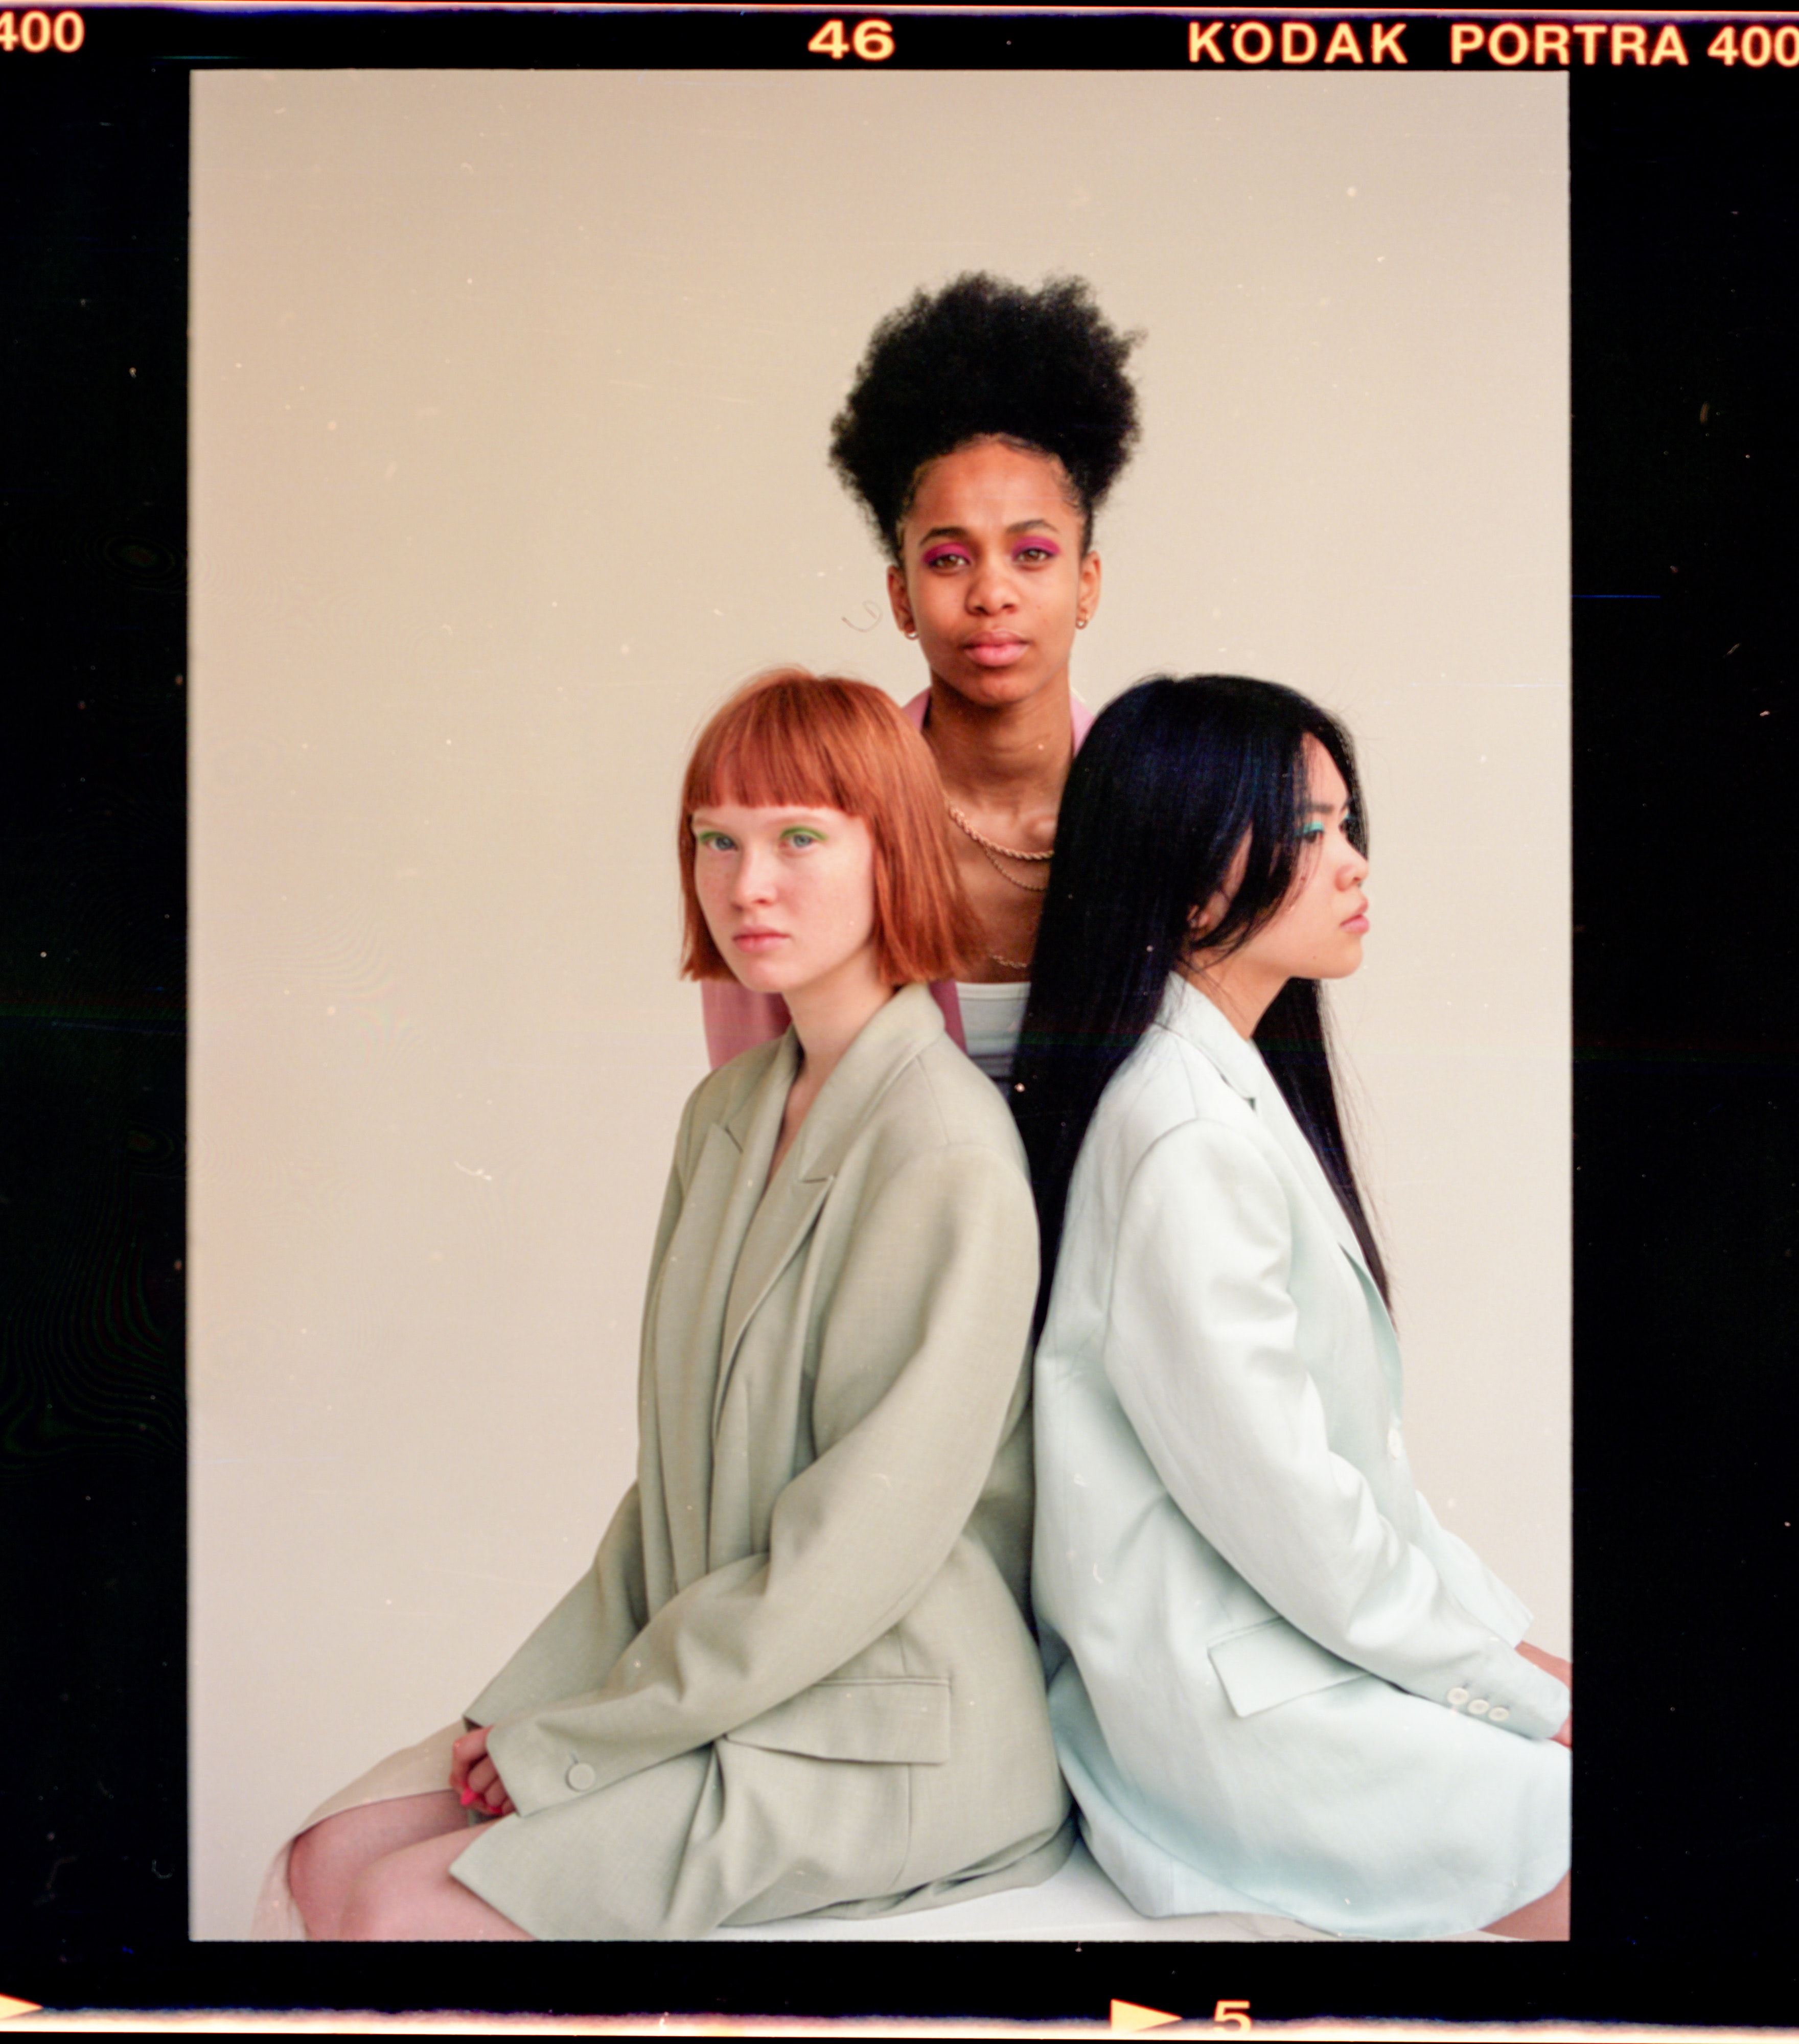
x: 992, y: 576
x: 789, y: 897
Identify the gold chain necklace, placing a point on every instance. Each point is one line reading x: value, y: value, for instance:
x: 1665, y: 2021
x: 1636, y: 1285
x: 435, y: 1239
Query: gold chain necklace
x: 988, y: 848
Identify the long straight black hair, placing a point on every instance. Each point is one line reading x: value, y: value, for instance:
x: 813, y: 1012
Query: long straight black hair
x: 1173, y: 776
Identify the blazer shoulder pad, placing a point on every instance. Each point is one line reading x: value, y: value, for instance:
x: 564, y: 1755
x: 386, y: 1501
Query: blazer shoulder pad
x: 951, y: 1101
x: 1166, y: 1083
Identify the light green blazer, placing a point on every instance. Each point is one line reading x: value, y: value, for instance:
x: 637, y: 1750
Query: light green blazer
x: 799, y: 1677
x: 1277, y: 1684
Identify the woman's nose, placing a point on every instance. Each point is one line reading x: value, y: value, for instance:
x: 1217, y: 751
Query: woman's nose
x: 754, y: 878
x: 991, y: 588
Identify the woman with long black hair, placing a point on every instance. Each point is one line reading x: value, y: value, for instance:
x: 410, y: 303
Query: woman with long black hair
x: 1277, y: 1684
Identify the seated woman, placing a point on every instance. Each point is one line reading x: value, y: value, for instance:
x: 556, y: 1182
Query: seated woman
x: 1277, y: 1684
x: 797, y: 1678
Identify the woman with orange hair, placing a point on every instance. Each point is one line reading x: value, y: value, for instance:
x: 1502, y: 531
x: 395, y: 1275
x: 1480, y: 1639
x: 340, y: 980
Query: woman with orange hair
x: 797, y: 1678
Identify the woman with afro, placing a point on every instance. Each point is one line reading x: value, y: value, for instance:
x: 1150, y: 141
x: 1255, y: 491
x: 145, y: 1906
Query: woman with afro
x: 986, y: 424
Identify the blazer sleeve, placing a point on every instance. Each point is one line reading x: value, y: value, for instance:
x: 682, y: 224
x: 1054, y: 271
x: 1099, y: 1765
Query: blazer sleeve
x: 578, y: 1644
x: 1203, y: 1349
x: 1470, y: 1581
x: 921, y: 1378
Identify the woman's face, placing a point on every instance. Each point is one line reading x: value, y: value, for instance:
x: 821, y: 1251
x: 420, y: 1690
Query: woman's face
x: 1318, y: 931
x: 789, y: 897
x: 992, y: 577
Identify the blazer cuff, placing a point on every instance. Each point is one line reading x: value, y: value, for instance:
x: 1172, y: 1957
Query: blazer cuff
x: 1516, y: 1696
x: 541, y: 1767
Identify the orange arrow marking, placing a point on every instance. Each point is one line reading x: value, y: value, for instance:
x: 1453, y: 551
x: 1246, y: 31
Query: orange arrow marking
x: 9, y: 2006
x: 1132, y: 2015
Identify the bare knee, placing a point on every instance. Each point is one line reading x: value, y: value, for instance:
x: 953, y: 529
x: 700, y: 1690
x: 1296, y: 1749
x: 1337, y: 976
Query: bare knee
x: 376, y: 1908
x: 323, y: 1862
x: 318, y: 1873
x: 412, y: 1894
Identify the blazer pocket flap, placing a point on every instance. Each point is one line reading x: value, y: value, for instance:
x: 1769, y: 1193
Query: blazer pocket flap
x: 905, y: 1719
x: 1274, y: 1662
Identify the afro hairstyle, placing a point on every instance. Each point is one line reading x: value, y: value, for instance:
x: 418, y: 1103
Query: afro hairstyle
x: 984, y: 356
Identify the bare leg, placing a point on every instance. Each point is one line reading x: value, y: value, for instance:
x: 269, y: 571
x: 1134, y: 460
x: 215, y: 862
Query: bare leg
x: 1552, y: 1664
x: 1546, y: 1918
x: 326, y: 1860
x: 412, y: 1894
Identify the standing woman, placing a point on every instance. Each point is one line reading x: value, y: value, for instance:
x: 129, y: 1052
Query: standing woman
x: 1277, y: 1684
x: 798, y: 1679
x: 984, y: 426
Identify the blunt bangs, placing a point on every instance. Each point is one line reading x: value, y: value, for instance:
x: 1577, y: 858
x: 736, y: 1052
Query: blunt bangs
x: 789, y: 740
x: 778, y: 746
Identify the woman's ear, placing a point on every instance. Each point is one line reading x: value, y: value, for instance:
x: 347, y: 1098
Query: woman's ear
x: 1087, y: 599
x: 1202, y: 920
x: 901, y: 602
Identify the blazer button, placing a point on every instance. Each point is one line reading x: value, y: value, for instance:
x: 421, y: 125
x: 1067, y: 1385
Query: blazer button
x: 1458, y: 1696
x: 581, y: 1775
x: 1497, y: 1715
x: 1479, y: 1708
x: 1395, y: 1446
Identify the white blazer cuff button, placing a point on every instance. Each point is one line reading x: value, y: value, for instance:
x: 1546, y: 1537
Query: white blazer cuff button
x: 1479, y: 1708
x: 1457, y: 1697
x: 1497, y: 1715
x: 580, y: 1775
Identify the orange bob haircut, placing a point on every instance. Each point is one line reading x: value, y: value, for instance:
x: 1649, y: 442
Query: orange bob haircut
x: 792, y: 740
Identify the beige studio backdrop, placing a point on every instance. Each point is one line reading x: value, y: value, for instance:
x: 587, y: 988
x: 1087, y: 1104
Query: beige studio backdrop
x: 510, y: 399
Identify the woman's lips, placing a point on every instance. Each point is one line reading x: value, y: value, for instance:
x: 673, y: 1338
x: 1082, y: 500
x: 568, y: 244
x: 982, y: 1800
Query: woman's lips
x: 758, y: 940
x: 995, y: 652
x: 1358, y: 922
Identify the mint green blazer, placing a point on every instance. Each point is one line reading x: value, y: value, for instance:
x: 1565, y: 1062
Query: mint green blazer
x: 799, y: 1677
x: 1277, y: 1684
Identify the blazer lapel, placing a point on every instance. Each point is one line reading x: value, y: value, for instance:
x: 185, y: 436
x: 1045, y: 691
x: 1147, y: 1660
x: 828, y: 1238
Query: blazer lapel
x: 782, y: 1222
x: 1270, y: 1104
x: 694, y: 1289
x: 1189, y: 1014
x: 789, y: 1204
